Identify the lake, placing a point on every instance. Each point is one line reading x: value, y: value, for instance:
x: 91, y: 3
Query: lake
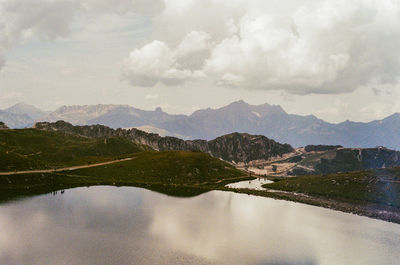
x: 255, y: 184
x: 125, y: 225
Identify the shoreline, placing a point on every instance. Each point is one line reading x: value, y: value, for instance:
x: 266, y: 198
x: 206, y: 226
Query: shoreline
x: 371, y: 210
x: 37, y: 184
x: 375, y: 211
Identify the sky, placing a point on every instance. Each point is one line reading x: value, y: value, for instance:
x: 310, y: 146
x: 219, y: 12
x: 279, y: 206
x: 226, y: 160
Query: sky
x: 338, y: 59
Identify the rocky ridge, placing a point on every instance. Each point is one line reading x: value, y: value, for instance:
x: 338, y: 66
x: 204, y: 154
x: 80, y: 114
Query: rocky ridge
x: 235, y: 147
x: 326, y: 159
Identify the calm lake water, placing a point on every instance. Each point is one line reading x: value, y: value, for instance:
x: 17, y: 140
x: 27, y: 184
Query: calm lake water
x: 255, y: 184
x: 110, y: 225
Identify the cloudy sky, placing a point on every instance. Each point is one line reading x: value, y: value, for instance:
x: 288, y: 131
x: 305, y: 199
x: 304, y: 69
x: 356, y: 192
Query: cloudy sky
x: 336, y: 59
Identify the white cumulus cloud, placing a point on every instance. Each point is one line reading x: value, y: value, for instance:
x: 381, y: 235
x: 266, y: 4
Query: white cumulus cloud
x: 157, y: 62
x: 297, y: 46
x: 301, y: 47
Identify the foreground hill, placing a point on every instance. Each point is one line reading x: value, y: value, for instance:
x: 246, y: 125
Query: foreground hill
x: 167, y: 167
x: 27, y: 149
x: 234, y: 147
x: 175, y: 173
x: 374, y: 193
x: 380, y: 186
x: 36, y: 161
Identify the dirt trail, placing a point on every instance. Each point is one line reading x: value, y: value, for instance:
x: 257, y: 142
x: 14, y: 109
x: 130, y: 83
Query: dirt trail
x: 65, y: 168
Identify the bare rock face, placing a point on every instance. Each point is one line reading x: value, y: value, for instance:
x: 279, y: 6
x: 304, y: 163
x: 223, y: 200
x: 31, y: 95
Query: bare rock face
x: 353, y: 159
x: 3, y: 126
x: 235, y: 147
x: 243, y: 147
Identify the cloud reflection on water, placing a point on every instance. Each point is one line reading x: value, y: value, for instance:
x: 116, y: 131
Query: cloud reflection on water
x: 108, y: 225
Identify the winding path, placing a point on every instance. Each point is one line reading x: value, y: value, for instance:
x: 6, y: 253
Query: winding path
x: 64, y: 169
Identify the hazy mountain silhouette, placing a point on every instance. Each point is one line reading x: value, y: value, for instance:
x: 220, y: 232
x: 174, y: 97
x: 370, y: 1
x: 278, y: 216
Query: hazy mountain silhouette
x: 269, y: 120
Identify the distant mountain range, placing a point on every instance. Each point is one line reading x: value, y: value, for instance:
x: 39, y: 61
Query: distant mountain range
x: 21, y: 115
x: 268, y: 120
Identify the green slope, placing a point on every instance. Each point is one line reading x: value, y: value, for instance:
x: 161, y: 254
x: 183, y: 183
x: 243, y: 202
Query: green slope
x: 28, y: 149
x: 176, y: 173
x: 381, y: 186
x: 167, y: 167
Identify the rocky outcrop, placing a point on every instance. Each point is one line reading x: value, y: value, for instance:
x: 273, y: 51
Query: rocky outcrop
x: 349, y: 159
x: 243, y: 147
x: 320, y: 159
x: 235, y: 147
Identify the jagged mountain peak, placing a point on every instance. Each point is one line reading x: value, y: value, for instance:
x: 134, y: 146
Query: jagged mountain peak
x: 240, y: 102
x: 241, y: 107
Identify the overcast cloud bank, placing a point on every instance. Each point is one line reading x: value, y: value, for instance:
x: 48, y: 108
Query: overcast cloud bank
x: 300, y: 47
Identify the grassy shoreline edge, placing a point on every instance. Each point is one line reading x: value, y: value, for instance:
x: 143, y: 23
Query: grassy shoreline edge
x: 385, y: 213
x: 375, y: 211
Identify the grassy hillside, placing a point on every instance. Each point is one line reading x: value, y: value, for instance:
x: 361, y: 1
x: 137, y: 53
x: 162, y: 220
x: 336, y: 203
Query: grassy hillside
x: 167, y: 167
x: 34, y: 149
x: 171, y: 172
x: 380, y: 186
